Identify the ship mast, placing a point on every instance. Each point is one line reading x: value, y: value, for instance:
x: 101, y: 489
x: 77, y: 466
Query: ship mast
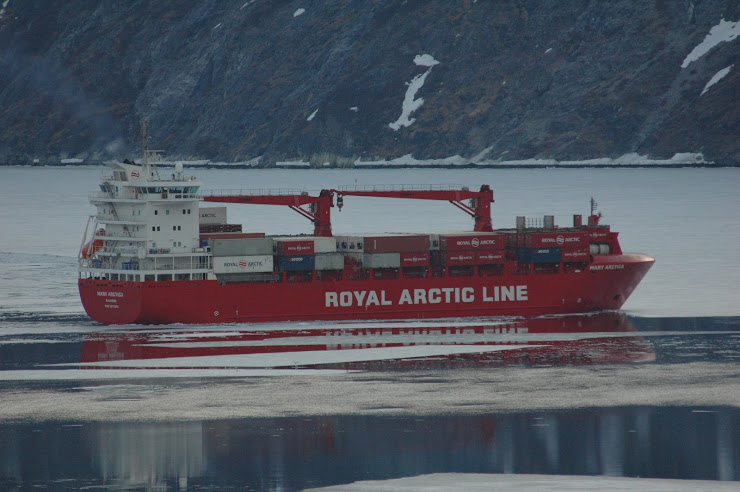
x: 150, y: 169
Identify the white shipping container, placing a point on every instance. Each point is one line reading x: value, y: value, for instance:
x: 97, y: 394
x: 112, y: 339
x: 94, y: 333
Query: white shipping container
x: 242, y: 264
x: 382, y: 260
x: 329, y: 261
x: 324, y: 245
x: 212, y: 215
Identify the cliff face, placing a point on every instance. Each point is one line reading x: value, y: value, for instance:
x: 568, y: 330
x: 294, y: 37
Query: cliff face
x: 563, y: 79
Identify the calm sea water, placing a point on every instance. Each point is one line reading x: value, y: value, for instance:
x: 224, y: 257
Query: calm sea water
x: 652, y: 391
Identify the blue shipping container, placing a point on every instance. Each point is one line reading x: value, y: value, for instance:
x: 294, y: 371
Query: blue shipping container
x: 296, y: 263
x: 539, y: 255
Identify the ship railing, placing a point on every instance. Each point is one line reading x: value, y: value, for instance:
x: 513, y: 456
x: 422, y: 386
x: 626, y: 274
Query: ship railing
x: 120, y: 250
x: 113, y: 218
x: 100, y: 195
x: 253, y: 192
x: 402, y: 187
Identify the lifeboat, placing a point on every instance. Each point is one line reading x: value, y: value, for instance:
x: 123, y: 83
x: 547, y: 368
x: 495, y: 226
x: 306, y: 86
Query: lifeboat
x: 91, y: 247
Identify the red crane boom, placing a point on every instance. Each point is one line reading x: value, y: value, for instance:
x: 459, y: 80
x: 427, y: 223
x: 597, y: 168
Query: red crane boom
x: 319, y: 212
x: 480, y: 208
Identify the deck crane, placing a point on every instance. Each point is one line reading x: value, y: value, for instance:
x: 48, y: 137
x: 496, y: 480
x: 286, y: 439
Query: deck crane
x: 319, y: 211
x: 479, y: 208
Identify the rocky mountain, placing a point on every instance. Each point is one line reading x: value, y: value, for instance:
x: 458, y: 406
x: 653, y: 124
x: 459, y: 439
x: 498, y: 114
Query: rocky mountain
x: 341, y: 80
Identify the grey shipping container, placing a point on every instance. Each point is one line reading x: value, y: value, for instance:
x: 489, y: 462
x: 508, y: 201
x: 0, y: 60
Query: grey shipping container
x: 396, y: 244
x: 246, y: 246
x: 382, y: 260
x: 329, y: 261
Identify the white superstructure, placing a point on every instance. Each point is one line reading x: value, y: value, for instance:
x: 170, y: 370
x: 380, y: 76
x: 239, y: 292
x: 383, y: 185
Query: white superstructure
x: 146, y: 227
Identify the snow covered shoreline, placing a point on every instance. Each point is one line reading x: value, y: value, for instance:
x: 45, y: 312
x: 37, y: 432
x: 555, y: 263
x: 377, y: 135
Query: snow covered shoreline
x: 631, y: 160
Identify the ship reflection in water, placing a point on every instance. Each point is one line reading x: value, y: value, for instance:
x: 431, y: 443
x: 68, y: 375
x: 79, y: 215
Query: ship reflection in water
x: 602, y: 338
x: 292, y: 453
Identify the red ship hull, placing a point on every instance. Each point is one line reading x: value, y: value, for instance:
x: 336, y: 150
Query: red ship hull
x: 605, y: 285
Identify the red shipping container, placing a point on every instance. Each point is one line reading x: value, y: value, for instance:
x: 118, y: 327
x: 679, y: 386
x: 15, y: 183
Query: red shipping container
x: 490, y: 257
x: 454, y: 258
x: 396, y: 244
x: 295, y: 248
x: 414, y: 259
x: 576, y: 254
x: 467, y: 242
x: 558, y: 240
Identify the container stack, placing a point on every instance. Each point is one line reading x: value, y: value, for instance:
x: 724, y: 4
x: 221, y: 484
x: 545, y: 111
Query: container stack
x: 213, y: 225
x: 552, y: 247
x: 307, y: 253
x: 245, y: 255
x: 471, y: 249
x: 387, y: 250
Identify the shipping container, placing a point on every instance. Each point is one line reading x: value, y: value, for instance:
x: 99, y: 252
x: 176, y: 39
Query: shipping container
x: 489, y: 257
x: 381, y: 260
x: 324, y: 244
x: 320, y: 244
x: 242, y: 264
x: 414, y: 259
x: 212, y: 215
x: 396, y: 244
x: 349, y: 244
x: 557, y: 239
x: 296, y: 263
x: 329, y: 261
x: 457, y: 258
x: 294, y: 248
x: 470, y: 242
x: 539, y: 255
x: 206, y: 228
x: 237, y: 247
x: 576, y: 254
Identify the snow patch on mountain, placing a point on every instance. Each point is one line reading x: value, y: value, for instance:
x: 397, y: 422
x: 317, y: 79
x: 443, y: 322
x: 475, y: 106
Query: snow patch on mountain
x: 409, y: 103
x: 2, y: 9
x: 717, y: 77
x: 725, y: 31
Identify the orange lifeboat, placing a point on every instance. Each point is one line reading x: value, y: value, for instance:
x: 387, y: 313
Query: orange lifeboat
x: 96, y: 244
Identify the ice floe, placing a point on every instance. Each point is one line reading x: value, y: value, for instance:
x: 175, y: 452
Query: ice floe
x: 473, y: 482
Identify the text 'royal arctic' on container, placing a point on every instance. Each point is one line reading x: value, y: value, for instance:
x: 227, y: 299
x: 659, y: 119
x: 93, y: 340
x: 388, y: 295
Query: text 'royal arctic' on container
x: 242, y: 264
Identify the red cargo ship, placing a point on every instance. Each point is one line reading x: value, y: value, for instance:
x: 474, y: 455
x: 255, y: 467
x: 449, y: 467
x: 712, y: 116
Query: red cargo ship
x: 151, y: 255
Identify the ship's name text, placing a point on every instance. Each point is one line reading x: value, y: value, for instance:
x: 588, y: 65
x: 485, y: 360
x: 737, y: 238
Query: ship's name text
x: 102, y: 293
x: 446, y: 295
